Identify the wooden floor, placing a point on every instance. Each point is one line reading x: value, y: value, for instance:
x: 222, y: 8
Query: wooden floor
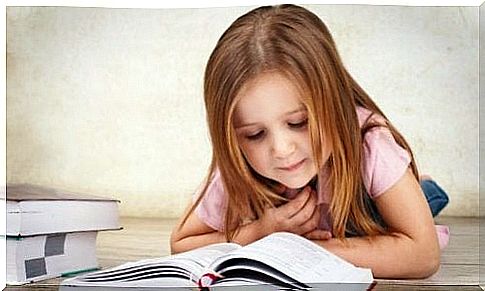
x: 146, y: 238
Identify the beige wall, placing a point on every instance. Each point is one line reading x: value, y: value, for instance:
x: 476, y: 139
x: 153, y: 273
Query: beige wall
x: 109, y: 101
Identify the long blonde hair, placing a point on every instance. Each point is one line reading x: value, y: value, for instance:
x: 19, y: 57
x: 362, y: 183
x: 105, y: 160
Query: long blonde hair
x: 293, y: 41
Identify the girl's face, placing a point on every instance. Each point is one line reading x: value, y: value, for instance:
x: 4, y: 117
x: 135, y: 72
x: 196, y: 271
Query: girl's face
x: 272, y: 130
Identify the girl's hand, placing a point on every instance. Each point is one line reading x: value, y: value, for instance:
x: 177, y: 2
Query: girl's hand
x: 318, y: 234
x: 300, y: 215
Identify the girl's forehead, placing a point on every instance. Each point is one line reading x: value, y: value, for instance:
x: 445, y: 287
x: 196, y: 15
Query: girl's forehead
x: 266, y: 86
x: 268, y: 96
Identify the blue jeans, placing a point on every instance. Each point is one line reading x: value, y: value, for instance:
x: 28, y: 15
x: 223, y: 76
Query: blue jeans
x: 435, y: 195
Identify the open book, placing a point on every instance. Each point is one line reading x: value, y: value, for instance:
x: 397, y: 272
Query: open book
x: 280, y: 260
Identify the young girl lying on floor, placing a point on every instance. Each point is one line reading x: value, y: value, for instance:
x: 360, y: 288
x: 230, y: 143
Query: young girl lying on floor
x: 299, y: 146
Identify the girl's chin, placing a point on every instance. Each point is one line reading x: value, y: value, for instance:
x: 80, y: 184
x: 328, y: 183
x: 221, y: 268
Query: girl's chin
x: 295, y: 185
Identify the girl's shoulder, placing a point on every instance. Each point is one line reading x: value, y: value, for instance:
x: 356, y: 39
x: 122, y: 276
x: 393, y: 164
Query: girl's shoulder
x: 375, y: 130
x: 366, y: 116
x: 385, y: 161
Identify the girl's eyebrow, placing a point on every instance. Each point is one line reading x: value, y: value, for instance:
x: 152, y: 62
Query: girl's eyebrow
x: 239, y: 126
x: 300, y: 109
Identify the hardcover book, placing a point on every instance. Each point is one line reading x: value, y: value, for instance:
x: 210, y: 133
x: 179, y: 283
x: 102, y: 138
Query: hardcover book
x: 33, y: 210
x: 41, y: 257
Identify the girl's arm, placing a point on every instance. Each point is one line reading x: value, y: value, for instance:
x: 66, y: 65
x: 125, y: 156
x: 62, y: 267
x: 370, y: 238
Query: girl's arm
x: 195, y: 233
x: 300, y: 215
x: 411, y: 250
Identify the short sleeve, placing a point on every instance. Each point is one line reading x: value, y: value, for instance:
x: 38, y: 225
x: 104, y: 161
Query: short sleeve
x: 385, y: 162
x: 212, y: 208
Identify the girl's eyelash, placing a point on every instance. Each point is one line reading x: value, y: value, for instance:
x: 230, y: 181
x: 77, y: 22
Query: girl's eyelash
x: 299, y: 124
x: 255, y: 136
x: 260, y: 134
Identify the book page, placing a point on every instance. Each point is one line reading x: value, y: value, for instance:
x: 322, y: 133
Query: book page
x: 204, y: 256
x: 300, y: 259
x: 245, y: 270
x: 182, y: 269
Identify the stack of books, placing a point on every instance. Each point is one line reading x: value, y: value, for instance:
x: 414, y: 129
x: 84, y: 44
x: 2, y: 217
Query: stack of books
x: 51, y: 233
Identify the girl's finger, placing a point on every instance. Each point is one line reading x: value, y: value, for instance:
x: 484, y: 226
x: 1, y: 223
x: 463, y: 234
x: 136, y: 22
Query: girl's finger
x: 318, y: 234
x: 294, y: 206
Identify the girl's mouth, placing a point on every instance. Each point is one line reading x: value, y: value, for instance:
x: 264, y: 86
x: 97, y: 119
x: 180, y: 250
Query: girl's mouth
x: 293, y: 167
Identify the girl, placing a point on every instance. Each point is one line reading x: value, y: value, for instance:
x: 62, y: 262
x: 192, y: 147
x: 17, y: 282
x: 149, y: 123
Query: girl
x: 298, y: 146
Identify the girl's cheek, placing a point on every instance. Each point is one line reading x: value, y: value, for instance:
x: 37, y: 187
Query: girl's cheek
x: 258, y: 156
x: 251, y: 153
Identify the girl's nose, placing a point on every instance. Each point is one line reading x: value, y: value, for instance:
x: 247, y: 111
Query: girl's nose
x: 282, y: 147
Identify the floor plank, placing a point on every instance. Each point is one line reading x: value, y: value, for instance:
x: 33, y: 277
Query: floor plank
x: 461, y: 250
x: 446, y: 275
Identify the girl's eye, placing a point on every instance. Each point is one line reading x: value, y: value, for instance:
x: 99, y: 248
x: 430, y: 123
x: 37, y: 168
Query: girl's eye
x: 300, y: 124
x: 255, y: 136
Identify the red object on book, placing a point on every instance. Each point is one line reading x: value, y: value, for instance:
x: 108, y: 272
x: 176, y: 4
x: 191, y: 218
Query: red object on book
x: 207, y: 279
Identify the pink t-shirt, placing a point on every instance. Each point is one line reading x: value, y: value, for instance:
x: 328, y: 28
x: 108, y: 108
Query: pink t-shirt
x: 385, y: 162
